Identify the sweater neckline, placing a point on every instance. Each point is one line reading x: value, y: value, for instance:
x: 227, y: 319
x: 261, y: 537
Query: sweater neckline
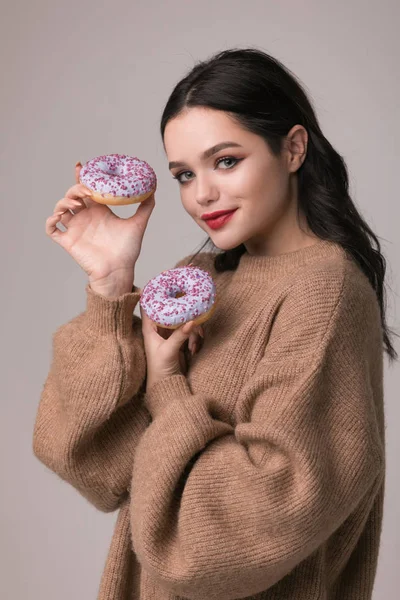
x: 266, y: 267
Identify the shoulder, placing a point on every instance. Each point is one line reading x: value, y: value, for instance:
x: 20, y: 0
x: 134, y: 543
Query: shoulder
x: 327, y: 301
x: 329, y: 285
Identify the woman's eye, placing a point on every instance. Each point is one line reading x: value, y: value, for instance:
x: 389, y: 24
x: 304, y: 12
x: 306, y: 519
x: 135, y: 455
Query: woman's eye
x: 178, y: 177
x: 220, y: 160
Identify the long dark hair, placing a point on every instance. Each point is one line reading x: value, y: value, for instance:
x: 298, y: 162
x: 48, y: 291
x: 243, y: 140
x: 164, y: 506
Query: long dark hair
x: 267, y: 99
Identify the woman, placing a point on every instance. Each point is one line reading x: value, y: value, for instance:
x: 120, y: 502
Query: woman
x: 255, y: 466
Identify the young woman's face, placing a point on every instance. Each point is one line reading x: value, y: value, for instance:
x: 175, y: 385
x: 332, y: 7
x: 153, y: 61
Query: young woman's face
x: 247, y: 177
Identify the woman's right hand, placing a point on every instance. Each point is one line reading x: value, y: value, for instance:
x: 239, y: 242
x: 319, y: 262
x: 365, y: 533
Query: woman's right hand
x: 103, y: 244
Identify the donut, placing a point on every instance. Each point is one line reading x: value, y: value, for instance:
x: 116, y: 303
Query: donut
x: 179, y: 295
x: 118, y: 179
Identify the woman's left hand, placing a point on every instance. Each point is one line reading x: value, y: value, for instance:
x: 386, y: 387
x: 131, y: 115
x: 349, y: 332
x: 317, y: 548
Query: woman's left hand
x: 163, y: 350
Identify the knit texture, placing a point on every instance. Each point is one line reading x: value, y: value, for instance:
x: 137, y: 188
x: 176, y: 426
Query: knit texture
x: 258, y: 474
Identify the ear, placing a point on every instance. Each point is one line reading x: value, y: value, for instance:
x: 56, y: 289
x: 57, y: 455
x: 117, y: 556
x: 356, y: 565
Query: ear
x: 296, y: 145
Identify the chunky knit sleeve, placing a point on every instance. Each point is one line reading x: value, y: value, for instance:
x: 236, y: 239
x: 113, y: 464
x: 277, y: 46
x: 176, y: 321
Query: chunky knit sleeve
x: 223, y: 512
x: 88, y: 421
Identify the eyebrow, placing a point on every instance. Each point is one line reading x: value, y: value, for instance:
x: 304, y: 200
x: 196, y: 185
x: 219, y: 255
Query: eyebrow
x: 207, y: 153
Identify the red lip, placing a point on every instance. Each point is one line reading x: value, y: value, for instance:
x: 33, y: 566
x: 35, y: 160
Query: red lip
x: 218, y: 213
x: 220, y: 221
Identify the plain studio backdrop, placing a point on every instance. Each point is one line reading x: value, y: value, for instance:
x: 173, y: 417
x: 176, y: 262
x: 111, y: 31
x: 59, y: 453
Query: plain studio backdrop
x: 80, y: 79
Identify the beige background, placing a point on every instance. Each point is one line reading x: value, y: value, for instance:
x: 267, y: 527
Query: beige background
x: 81, y: 79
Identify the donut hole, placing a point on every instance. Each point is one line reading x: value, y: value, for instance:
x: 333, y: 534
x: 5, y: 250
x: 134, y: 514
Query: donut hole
x: 179, y: 294
x: 114, y: 168
x: 117, y: 171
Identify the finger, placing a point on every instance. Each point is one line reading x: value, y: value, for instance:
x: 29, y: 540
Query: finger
x: 180, y: 335
x: 83, y: 193
x: 65, y: 205
x: 69, y: 203
x: 144, y: 211
x: 77, y: 191
x: 51, y: 227
x: 193, y: 340
x: 196, y: 339
x: 78, y: 168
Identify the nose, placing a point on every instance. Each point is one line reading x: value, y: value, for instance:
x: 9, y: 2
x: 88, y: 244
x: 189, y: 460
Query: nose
x: 205, y: 192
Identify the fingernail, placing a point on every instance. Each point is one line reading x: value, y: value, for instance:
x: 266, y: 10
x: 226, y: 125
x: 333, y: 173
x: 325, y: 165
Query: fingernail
x: 201, y: 332
x: 78, y: 164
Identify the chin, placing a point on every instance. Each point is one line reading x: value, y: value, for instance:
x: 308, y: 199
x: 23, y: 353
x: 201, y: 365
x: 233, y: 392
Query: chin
x: 227, y: 245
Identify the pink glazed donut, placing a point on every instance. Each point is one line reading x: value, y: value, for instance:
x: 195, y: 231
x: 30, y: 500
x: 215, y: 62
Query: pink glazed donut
x: 118, y: 179
x: 179, y: 295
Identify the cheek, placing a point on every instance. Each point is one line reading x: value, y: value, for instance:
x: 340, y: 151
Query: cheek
x: 249, y: 182
x: 263, y: 182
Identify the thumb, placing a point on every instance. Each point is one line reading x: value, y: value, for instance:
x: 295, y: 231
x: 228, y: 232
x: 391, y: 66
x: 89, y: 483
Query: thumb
x: 181, y: 334
x: 144, y: 211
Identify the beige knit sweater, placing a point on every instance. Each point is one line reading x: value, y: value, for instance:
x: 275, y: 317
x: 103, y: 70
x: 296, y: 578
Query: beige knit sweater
x: 259, y: 474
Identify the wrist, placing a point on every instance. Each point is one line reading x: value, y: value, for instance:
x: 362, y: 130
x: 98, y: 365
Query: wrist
x: 113, y: 286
